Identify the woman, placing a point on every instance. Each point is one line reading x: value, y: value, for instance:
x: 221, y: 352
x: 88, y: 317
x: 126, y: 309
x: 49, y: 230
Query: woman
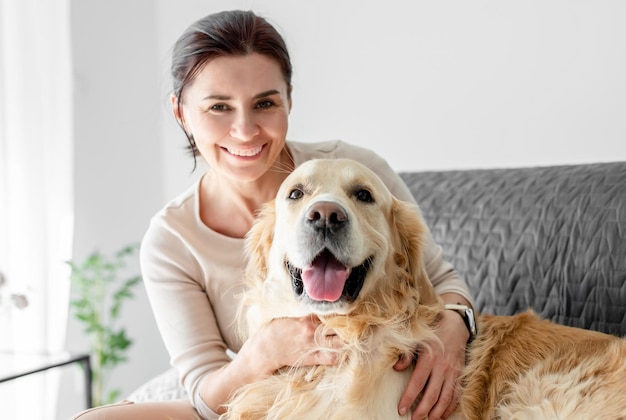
x: 232, y: 98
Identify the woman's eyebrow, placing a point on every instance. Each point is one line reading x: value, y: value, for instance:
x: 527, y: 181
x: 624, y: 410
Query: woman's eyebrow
x: 257, y: 96
x: 218, y: 97
x: 266, y: 93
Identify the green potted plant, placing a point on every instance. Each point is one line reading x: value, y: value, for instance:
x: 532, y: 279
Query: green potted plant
x: 98, y: 293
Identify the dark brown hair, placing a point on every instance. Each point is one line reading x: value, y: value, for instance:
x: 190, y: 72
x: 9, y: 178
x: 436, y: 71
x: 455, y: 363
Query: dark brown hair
x: 234, y: 32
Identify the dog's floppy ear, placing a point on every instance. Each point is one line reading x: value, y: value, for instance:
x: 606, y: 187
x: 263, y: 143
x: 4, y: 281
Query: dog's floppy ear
x: 410, y: 237
x: 259, y: 240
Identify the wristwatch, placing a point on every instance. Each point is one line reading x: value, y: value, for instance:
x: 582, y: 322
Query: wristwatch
x: 468, y: 317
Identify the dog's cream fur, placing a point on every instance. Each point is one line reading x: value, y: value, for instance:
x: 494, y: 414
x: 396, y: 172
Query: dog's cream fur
x: 518, y: 367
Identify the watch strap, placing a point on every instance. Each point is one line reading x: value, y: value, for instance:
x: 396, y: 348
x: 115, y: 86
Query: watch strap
x: 468, y: 317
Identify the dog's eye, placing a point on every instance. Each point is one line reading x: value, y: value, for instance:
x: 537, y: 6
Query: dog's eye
x: 364, y: 195
x: 296, y: 194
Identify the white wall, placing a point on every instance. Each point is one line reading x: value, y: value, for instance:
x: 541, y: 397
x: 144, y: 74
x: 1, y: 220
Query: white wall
x: 119, y: 180
x: 428, y: 85
x: 448, y: 84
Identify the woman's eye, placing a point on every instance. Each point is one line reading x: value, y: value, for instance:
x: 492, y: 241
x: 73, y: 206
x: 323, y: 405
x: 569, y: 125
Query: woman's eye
x: 364, y: 195
x: 219, y: 107
x: 296, y: 194
x: 265, y: 104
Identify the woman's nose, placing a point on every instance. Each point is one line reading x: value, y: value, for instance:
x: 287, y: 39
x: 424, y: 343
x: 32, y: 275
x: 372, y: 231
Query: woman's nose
x: 244, y: 126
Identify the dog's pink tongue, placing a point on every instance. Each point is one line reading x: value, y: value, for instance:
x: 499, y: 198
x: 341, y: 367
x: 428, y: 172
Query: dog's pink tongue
x: 325, y: 278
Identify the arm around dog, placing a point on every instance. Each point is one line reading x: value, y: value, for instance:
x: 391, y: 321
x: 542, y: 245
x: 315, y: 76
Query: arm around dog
x: 191, y: 290
x: 283, y: 342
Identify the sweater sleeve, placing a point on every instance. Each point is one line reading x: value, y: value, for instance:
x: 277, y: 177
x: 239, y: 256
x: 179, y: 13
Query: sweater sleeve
x: 182, y: 309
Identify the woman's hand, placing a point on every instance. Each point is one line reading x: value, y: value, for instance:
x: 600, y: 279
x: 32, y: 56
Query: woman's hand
x: 282, y: 342
x: 292, y: 342
x: 437, y: 371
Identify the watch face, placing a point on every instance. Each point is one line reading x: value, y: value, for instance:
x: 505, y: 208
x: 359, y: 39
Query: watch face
x: 471, y: 322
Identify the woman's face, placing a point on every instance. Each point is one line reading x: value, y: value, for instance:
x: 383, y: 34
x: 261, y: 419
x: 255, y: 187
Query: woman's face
x: 237, y: 109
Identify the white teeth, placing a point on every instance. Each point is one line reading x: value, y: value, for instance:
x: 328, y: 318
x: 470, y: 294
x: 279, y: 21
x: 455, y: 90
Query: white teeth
x: 250, y: 152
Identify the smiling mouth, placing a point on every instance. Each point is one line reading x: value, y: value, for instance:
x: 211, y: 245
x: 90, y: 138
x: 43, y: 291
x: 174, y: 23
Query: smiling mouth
x: 244, y: 152
x: 327, y: 279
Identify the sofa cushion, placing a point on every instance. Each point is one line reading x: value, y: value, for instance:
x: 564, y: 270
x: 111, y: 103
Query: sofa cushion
x: 163, y: 387
x: 548, y: 238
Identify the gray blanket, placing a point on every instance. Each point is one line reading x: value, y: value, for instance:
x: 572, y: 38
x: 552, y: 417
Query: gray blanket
x: 552, y: 238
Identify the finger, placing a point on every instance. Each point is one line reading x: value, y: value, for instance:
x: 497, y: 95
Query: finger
x: 431, y: 395
x: 323, y: 358
x: 404, y: 361
x: 334, y: 341
x: 447, y: 402
x: 326, y: 338
x: 416, y: 384
x: 455, y: 402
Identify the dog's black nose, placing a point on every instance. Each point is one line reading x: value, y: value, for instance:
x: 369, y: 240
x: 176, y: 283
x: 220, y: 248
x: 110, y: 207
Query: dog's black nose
x: 327, y: 215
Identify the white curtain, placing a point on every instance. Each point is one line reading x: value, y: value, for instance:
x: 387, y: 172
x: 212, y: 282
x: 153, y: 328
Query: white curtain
x: 36, y: 165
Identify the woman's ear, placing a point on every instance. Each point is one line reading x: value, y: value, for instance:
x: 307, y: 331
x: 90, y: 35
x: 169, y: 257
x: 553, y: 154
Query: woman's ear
x: 289, y: 90
x: 177, y: 110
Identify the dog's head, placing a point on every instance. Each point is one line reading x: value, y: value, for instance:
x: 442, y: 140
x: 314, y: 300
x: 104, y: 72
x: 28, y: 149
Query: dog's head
x: 335, y: 238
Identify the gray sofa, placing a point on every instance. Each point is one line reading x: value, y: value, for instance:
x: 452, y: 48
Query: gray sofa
x: 548, y: 238
x: 551, y: 238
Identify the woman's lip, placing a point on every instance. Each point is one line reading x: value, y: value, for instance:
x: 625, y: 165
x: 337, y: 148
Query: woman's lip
x: 244, y: 152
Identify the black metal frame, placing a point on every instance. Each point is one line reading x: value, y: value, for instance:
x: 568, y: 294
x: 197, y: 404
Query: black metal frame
x: 83, y: 359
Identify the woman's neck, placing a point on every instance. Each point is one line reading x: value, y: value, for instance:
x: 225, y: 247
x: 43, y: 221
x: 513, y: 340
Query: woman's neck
x: 229, y: 206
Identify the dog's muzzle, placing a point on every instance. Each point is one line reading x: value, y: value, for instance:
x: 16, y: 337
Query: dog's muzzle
x: 327, y: 279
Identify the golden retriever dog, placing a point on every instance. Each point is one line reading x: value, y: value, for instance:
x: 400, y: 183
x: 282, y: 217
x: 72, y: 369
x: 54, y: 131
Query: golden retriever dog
x: 335, y: 243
